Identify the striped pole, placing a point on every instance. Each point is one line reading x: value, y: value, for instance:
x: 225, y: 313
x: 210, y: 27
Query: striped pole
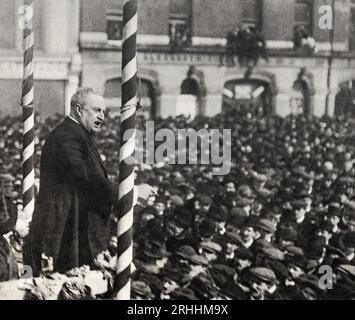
x: 122, y: 288
x: 28, y: 115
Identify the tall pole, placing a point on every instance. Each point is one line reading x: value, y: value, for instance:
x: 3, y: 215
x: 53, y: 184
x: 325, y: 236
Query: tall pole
x: 122, y: 288
x: 330, y: 60
x: 28, y: 115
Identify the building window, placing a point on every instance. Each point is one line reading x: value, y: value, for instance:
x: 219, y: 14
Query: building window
x: 251, y: 13
x: 179, y: 23
x: 303, y: 16
x: 114, y: 25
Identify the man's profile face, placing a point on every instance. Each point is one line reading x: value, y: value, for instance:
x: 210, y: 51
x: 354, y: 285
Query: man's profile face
x: 92, y: 114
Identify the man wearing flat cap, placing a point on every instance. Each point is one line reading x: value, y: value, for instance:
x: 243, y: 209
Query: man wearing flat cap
x: 259, y: 280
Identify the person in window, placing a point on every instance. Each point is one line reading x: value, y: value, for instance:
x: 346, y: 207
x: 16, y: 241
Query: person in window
x: 191, y: 85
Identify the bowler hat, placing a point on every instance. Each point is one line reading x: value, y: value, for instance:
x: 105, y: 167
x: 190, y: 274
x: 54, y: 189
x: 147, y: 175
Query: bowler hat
x: 243, y: 253
x: 207, y: 228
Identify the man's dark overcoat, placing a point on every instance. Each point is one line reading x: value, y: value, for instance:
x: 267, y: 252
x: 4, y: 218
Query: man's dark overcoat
x: 72, y: 211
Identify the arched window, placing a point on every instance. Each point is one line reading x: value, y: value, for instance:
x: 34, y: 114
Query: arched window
x: 247, y: 95
x: 252, y: 13
x: 180, y: 22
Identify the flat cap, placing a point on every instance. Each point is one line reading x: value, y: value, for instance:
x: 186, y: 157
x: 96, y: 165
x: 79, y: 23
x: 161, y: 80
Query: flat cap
x: 263, y: 274
x: 266, y: 225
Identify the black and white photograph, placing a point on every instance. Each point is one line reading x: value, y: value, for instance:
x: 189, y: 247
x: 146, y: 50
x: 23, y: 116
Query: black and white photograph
x: 177, y: 150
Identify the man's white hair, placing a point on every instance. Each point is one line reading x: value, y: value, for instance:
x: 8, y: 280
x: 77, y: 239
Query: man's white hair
x: 79, y: 97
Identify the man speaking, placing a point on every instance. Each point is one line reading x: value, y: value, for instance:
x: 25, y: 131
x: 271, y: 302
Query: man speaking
x: 71, y: 220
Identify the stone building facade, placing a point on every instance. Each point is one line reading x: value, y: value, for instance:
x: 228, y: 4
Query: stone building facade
x: 79, y: 43
x: 57, y: 60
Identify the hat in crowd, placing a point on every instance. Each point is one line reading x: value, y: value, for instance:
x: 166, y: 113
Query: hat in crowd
x: 233, y: 237
x: 222, y: 274
x: 189, y: 253
x: 299, y: 203
x: 299, y: 261
x: 347, y: 269
x: 349, y: 212
x: 288, y: 234
x: 273, y: 254
x: 141, y: 289
x: 205, y: 199
x: 151, y: 280
x: 346, y: 180
x: 294, y: 251
x: 242, y: 202
x: 310, y: 281
x: 179, y: 180
x: 177, y: 200
x: 301, y: 171
x: 182, y: 217
x: 203, y: 287
x: 207, y: 228
x: 261, y: 274
x: 182, y: 294
x: 266, y: 225
x: 280, y: 270
x: 243, y: 253
x: 348, y: 239
x: 260, y: 245
x: 155, y: 249
x: 244, y: 191
x: 211, y: 247
x: 315, y: 247
x: 334, y: 209
x: 218, y: 213
x: 302, y: 193
x: 236, y: 217
x: 260, y: 177
x: 237, y: 212
x: 251, y: 221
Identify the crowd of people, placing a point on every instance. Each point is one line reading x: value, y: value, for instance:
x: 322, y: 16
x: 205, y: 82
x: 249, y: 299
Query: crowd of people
x: 279, y: 226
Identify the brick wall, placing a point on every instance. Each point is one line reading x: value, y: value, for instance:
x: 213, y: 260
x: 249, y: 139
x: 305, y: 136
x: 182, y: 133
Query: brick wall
x: 153, y: 17
x: 278, y: 17
x: 213, y: 18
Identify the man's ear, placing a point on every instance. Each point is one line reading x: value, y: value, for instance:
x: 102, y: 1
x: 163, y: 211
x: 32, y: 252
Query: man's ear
x: 78, y: 109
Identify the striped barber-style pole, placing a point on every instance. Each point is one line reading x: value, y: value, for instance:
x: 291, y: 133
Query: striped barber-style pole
x: 126, y: 167
x: 28, y: 115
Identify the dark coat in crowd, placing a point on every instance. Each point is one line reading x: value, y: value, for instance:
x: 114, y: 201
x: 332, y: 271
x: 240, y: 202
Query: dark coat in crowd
x: 8, y: 218
x: 71, y: 218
